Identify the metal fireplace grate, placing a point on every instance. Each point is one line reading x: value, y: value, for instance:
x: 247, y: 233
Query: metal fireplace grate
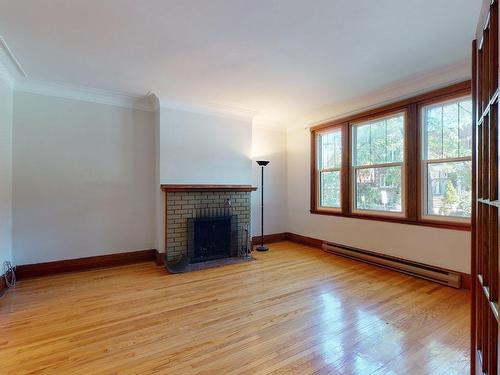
x: 212, y: 234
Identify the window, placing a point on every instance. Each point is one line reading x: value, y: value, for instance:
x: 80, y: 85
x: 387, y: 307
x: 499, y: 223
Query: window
x: 407, y: 162
x: 378, y: 160
x: 446, y: 159
x: 329, y: 168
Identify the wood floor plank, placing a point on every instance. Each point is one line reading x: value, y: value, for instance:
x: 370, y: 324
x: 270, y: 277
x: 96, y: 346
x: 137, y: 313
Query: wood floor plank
x: 295, y: 310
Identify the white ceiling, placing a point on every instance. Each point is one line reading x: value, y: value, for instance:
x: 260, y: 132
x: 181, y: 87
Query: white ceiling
x: 283, y: 59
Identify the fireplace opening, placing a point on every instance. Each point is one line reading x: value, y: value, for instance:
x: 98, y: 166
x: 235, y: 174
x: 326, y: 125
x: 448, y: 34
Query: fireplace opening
x: 212, y: 234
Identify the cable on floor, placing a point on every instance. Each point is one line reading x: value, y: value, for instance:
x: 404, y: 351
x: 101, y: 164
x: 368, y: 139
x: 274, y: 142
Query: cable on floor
x: 9, y: 274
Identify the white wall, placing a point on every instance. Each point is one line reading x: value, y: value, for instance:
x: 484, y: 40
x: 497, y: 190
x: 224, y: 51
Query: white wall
x: 83, y: 179
x: 6, y: 96
x: 444, y: 248
x: 158, y: 194
x: 199, y: 148
x: 269, y: 144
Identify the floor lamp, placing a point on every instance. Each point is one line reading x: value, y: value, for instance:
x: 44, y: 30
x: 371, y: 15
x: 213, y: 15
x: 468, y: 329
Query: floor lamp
x: 262, y: 247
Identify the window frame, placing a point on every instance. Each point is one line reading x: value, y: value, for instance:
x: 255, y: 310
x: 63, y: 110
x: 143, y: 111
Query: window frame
x: 424, y: 163
x: 354, y: 168
x: 412, y: 167
x: 319, y: 170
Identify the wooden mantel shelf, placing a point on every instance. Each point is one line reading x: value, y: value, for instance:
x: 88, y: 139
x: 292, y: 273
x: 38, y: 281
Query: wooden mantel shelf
x: 178, y: 188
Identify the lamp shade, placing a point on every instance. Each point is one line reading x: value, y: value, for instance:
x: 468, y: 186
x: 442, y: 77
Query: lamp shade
x: 263, y: 163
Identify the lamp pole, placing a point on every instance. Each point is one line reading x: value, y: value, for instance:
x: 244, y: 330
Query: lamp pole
x: 262, y: 164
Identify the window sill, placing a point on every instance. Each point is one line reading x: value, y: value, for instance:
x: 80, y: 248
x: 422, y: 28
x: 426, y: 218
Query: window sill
x: 398, y: 220
x: 383, y: 214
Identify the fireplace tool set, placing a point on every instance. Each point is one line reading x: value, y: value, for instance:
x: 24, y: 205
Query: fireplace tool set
x: 246, y: 248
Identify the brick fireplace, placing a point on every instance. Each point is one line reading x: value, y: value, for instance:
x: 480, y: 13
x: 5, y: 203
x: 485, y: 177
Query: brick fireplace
x: 184, y: 203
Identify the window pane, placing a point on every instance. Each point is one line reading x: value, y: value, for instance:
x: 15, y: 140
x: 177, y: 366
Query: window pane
x: 380, y: 141
x: 433, y: 126
x: 395, y: 136
x: 330, y: 189
x: 449, y: 189
x: 330, y: 150
x: 379, y: 189
x: 448, y: 130
x: 362, y: 155
x: 465, y: 128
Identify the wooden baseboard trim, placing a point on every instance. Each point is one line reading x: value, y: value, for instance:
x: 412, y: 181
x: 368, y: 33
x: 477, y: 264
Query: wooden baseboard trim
x: 159, y: 258
x: 314, y: 242
x: 110, y: 260
x: 466, y: 281
x: 3, y: 285
x: 26, y: 271
x: 270, y: 238
x: 304, y: 240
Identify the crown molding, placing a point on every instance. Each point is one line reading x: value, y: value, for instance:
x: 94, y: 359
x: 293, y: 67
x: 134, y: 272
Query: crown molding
x: 406, y: 88
x: 12, y: 72
x: 10, y: 68
x: 61, y: 90
x: 154, y: 101
x: 149, y: 102
x: 209, y: 109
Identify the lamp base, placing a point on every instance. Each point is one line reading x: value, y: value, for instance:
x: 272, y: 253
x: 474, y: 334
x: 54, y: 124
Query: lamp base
x: 262, y: 248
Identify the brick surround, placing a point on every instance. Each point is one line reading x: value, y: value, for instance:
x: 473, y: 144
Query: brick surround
x: 182, y: 205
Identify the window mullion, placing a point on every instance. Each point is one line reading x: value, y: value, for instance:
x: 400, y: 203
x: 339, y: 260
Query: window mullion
x: 449, y: 160
x: 442, y: 132
x: 385, y: 141
x: 371, y: 151
x: 381, y: 165
x: 329, y: 170
x: 458, y: 129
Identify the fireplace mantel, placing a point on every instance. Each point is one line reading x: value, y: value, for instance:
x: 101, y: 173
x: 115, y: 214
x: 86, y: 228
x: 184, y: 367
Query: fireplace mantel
x: 200, y: 187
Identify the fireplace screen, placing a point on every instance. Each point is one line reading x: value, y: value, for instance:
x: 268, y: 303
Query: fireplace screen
x: 212, y: 234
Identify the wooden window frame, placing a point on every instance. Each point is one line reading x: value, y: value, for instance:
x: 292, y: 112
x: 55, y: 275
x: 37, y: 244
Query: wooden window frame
x: 402, y: 164
x: 412, y: 196
x: 423, y: 215
x: 318, y: 170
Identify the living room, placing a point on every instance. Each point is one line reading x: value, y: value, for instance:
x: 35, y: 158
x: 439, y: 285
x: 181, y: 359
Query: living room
x: 235, y: 187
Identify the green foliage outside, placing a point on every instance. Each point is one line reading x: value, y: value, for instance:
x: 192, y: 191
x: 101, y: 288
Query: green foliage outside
x: 379, y: 142
x: 450, y: 198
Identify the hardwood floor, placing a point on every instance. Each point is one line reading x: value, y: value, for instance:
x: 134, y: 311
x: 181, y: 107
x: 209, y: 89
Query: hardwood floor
x: 296, y: 310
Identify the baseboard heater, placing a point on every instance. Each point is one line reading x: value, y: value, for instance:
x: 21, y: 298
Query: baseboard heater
x: 424, y: 271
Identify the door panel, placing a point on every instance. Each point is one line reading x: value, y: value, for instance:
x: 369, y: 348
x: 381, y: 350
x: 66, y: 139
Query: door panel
x: 485, y: 221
